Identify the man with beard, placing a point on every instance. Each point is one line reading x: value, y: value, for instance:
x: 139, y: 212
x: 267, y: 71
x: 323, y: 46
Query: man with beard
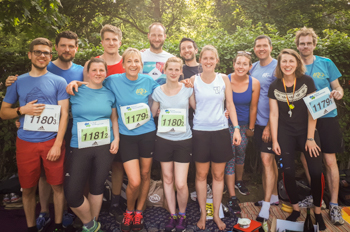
x: 66, y: 45
x: 154, y: 58
x: 325, y: 75
x: 36, y: 143
x: 188, y: 52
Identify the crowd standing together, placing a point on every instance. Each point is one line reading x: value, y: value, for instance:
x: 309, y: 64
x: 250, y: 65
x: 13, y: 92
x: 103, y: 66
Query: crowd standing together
x: 119, y: 112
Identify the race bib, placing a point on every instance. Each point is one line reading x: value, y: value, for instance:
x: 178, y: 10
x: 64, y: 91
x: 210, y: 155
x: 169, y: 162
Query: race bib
x: 134, y: 116
x: 47, y: 121
x: 172, y: 120
x: 319, y: 103
x: 93, y: 133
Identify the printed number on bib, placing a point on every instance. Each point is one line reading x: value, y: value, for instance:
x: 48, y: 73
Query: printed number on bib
x: 47, y: 121
x: 93, y: 133
x: 319, y: 103
x: 134, y: 116
x: 172, y: 120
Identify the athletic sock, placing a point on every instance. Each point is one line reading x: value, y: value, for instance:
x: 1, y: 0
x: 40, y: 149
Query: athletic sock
x: 32, y: 229
x: 90, y: 224
x: 319, y: 220
x: 334, y: 204
x: 264, y: 211
x: 274, y: 199
x: 293, y: 216
x: 173, y: 215
x: 138, y: 211
x: 58, y: 226
x: 115, y: 200
x: 182, y: 214
x: 130, y: 212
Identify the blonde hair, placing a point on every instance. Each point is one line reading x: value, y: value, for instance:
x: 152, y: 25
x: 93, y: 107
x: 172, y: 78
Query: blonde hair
x: 131, y: 51
x: 305, y: 32
x: 156, y: 24
x: 173, y: 59
x: 111, y: 28
x: 210, y: 48
x: 300, y: 69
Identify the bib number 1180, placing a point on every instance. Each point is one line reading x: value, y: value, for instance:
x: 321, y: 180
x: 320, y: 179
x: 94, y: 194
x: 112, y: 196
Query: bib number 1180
x: 43, y: 120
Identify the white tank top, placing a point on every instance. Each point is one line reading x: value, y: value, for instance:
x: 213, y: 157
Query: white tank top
x: 210, y: 99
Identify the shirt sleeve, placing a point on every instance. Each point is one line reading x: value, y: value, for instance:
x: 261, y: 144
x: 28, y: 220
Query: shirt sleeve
x: 310, y: 84
x: 154, y: 84
x: 155, y: 95
x: 11, y: 94
x: 333, y: 71
x: 272, y: 88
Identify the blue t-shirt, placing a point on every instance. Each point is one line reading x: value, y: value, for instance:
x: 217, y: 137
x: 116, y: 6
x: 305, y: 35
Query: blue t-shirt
x: 74, y: 73
x: 323, y: 71
x: 129, y: 92
x: 91, y: 105
x: 265, y: 75
x: 47, y: 89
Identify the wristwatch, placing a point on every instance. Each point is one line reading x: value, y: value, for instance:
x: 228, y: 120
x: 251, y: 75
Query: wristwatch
x: 251, y: 129
x: 19, y: 111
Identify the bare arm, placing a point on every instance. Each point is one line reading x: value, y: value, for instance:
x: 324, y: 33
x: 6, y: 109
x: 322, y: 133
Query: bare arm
x: 274, y: 111
x: 85, y: 74
x: 193, y: 101
x: 254, y: 105
x: 7, y: 112
x: 337, y: 90
x: 311, y: 145
x: 73, y: 86
x: 115, y: 143
x: 154, y: 108
x: 55, y: 152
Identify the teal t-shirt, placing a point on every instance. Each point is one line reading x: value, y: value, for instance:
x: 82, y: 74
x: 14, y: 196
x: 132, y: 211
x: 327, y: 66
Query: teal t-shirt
x: 91, y: 105
x: 323, y: 71
x: 129, y: 92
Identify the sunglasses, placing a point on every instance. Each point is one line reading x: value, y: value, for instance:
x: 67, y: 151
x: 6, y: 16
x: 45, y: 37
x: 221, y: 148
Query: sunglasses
x: 244, y: 52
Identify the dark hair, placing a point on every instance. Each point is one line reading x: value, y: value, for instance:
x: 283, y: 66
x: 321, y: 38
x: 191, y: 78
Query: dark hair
x: 188, y: 39
x: 263, y: 37
x: 40, y: 41
x: 245, y: 54
x: 96, y: 60
x: 299, y: 71
x: 67, y: 35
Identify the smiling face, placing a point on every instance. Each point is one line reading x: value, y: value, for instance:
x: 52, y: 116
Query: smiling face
x: 306, y: 46
x: 40, y: 62
x: 111, y: 42
x: 66, y: 49
x: 288, y: 65
x: 208, y: 61
x: 156, y: 37
x: 262, y: 49
x: 97, y: 73
x: 173, y: 71
x: 242, y: 65
x: 187, y: 51
x: 132, y: 65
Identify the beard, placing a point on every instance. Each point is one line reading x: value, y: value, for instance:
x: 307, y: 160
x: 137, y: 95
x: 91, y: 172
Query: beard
x: 156, y: 47
x: 38, y: 67
x: 189, y: 59
x: 61, y: 57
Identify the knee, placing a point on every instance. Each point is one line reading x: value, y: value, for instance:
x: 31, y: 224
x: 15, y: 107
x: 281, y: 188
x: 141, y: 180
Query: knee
x: 201, y: 176
x: 57, y: 189
x: 267, y: 161
x: 134, y: 184
x: 145, y: 175
x: 218, y: 176
x: 181, y: 186
x: 28, y: 192
x: 331, y: 161
x: 168, y: 179
x: 74, y: 197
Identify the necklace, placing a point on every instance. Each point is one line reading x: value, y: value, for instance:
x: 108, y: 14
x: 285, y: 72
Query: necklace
x: 290, y: 105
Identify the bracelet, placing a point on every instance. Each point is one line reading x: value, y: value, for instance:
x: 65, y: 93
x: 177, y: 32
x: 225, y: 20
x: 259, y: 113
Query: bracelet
x: 237, y: 127
x: 310, y: 139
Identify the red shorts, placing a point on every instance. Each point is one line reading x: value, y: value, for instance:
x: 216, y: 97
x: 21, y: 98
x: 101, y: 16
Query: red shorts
x: 29, y: 157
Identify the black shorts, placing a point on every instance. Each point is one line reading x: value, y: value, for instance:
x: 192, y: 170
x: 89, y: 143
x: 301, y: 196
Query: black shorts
x: 117, y: 157
x: 212, y: 146
x: 177, y: 151
x: 259, y: 143
x: 330, y: 135
x: 134, y: 147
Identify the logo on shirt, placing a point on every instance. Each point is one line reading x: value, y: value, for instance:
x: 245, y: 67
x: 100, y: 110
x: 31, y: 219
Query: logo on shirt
x: 299, y: 94
x: 216, y: 89
x: 318, y: 75
x: 141, y: 92
x: 265, y: 75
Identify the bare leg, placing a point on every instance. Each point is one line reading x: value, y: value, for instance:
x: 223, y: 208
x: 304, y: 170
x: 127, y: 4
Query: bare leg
x: 132, y: 169
x: 58, y: 201
x: 330, y: 161
x: 230, y: 182
x: 239, y: 169
x: 306, y: 169
x: 217, y: 170
x: 168, y: 182
x: 181, y: 173
x: 269, y: 163
x: 29, y: 202
x: 275, y: 169
x: 117, y: 177
x: 44, y: 195
x: 146, y: 165
x: 83, y: 211
x: 95, y: 204
x: 202, y: 170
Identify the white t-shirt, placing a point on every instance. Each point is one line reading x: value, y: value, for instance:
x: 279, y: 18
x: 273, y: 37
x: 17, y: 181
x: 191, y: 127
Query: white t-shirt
x: 153, y: 64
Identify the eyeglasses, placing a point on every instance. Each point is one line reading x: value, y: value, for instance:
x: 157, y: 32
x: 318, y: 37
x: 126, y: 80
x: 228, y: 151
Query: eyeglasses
x: 38, y: 53
x: 244, y: 52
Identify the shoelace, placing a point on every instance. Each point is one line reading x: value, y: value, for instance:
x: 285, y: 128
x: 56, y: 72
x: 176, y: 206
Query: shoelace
x: 138, y: 218
x: 128, y: 218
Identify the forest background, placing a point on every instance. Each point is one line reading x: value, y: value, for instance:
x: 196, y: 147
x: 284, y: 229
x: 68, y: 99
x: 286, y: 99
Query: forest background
x: 230, y: 25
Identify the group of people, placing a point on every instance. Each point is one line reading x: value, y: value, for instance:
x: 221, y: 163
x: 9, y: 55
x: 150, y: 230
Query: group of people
x: 127, y: 110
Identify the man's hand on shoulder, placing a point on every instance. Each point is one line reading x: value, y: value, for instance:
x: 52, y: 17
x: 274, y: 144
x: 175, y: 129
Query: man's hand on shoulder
x: 10, y: 80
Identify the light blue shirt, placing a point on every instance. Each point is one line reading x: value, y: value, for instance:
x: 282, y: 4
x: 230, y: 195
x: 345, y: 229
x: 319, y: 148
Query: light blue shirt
x: 265, y: 75
x: 323, y: 71
x: 74, y: 73
x: 129, y: 92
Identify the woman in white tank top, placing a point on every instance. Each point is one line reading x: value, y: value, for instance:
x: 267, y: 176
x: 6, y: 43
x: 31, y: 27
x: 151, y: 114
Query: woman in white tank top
x: 211, y: 138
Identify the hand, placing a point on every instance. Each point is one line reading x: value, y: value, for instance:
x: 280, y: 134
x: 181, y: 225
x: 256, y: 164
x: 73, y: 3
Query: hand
x: 143, y: 50
x: 237, y: 138
x: 114, y: 147
x: 249, y: 133
x: 54, y: 153
x: 227, y: 114
x: 266, y: 135
x: 10, y: 80
x: 276, y: 148
x: 17, y: 123
x: 188, y: 83
x: 334, y: 94
x: 312, y: 148
x: 32, y: 109
x: 74, y: 85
